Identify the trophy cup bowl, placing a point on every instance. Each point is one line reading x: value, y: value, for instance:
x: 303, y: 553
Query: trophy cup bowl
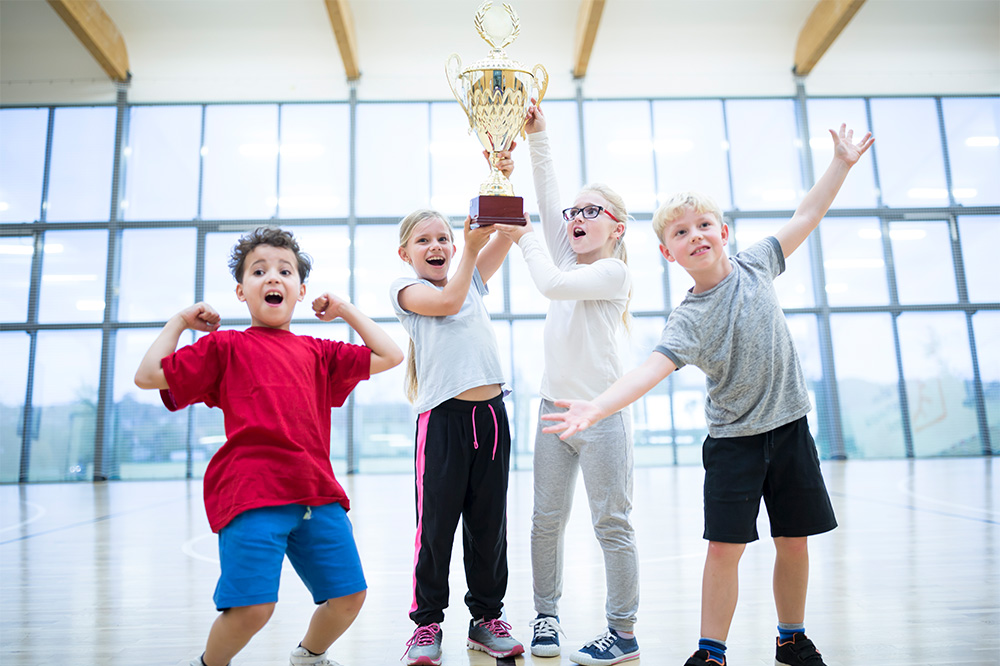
x: 495, y: 94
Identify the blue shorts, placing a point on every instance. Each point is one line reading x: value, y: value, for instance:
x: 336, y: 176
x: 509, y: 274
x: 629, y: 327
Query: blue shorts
x: 318, y: 540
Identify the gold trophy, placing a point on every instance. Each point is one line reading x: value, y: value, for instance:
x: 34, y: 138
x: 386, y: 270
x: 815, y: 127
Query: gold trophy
x: 495, y: 94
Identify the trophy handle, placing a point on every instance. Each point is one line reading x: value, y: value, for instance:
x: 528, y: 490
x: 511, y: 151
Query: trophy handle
x: 453, y: 71
x: 541, y: 76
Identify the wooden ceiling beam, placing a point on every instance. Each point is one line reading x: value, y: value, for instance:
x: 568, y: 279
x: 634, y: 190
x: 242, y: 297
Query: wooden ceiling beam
x: 98, y: 33
x: 343, y: 29
x: 825, y: 23
x: 586, y: 34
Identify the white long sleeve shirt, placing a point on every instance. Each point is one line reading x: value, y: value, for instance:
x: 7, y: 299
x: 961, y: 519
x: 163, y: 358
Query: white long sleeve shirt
x: 584, y: 333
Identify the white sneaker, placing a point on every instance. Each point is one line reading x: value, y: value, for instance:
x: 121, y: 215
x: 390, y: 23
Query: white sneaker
x: 302, y: 657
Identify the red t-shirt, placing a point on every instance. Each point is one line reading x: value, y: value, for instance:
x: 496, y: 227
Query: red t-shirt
x: 275, y: 389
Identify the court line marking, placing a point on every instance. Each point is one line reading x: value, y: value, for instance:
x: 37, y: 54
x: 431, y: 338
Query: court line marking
x: 904, y: 487
x: 41, y: 512
x: 89, y: 521
x: 188, y: 549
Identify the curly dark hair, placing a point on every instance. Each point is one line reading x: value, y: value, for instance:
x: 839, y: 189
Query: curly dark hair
x: 274, y: 238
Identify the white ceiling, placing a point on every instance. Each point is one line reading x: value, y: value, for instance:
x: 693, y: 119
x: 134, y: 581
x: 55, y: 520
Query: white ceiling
x: 285, y: 50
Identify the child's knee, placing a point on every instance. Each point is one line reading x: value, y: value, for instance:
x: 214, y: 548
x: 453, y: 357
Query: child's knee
x: 725, y: 552
x: 791, y: 546
x: 349, y: 605
x: 251, y: 618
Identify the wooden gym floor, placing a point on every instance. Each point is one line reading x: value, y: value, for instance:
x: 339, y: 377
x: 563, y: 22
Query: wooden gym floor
x: 122, y: 574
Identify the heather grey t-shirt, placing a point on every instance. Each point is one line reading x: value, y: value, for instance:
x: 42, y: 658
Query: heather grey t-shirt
x: 453, y: 353
x: 737, y: 334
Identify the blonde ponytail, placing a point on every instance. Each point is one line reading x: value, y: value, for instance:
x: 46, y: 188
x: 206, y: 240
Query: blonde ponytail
x: 410, y: 381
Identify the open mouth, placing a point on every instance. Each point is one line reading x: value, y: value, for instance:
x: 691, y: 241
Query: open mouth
x: 579, y: 232
x: 274, y: 298
x: 436, y: 261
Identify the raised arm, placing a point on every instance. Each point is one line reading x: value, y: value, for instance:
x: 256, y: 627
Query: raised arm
x: 426, y: 300
x: 818, y: 200
x: 491, y: 258
x: 550, y: 203
x: 198, y: 317
x: 385, y: 353
x: 631, y: 386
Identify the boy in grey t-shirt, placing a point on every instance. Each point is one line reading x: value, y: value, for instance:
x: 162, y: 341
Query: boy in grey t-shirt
x: 731, y: 326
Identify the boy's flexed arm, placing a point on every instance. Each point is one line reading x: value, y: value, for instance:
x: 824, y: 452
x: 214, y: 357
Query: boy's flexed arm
x: 631, y: 386
x: 385, y: 353
x: 818, y: 200
x: 198, y: 317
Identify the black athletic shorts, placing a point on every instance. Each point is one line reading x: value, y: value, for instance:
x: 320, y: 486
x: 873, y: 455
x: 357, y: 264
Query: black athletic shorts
x: 780, y: 465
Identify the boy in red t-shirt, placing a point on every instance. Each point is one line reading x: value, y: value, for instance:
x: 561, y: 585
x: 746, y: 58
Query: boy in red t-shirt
x: 270, y: 489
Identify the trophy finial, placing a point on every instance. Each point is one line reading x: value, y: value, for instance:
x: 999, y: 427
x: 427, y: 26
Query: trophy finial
x: 498, y: 26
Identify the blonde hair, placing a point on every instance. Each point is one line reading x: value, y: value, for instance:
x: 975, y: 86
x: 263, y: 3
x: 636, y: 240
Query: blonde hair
x: 674, y: 207
x: 616, y: 206
x: 406, y: 227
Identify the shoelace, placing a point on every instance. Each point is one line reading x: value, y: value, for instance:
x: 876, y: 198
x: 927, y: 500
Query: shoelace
x: 423, y: 636
x: 546, y: 627
x: 497, y: 627
x: 602, y: 643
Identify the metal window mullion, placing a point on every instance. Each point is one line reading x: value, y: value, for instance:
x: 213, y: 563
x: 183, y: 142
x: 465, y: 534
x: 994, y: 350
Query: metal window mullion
x: 729, y: 154
x: 351, y: 454
x: 103, y: 430
x: 199, y: 288
x: 896, y: 311
x: 831, y: 426
x: 943, y: 136
x: 34, y: 288
x: 665, y: 275
x: 581, y: 137
x: 277, y: 175
x: 894, y: 307
x: 977, y: 388
x: 904, y: 401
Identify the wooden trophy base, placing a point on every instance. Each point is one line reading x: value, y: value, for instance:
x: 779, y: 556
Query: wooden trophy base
x: 486, y: 209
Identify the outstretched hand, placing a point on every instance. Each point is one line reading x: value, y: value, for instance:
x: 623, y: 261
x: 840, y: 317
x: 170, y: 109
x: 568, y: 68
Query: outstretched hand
x: 515, y: 231
x: 843, y: 147
x: 535, y: 121
x: 327, y: 306
x: 200, y: 317
x: 579, y: 415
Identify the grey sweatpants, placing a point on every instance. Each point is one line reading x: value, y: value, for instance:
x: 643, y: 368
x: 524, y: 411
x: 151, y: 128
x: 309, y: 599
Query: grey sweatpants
x: 604, y: 454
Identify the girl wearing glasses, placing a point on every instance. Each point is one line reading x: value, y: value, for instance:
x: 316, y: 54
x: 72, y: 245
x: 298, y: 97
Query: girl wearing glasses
x: 585, y: 276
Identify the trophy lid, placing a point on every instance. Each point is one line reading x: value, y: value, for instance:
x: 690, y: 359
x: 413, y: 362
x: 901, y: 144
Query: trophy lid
x: 499, y: 27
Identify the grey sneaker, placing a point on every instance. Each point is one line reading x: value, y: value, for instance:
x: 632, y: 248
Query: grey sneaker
x: 424, y: 647
x: 545, y: 636
x: 302, y: 657
x: 493, y: 637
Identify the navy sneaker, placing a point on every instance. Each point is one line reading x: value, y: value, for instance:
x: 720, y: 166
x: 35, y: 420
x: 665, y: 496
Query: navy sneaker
x: 704, y: 658
x: 545, y: 637
x: 607, y: 649
x: 797, y: 651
